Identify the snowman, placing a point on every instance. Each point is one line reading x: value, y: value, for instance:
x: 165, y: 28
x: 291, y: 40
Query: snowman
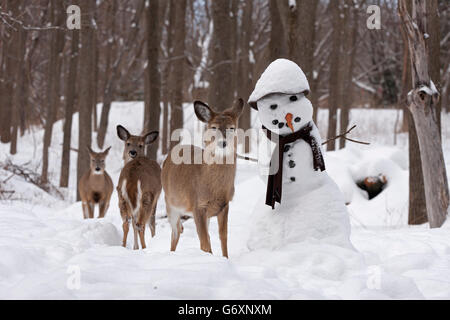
x: 302, y: 203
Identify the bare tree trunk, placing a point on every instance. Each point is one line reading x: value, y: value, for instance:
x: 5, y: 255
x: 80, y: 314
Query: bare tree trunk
x: 307, y: 12
x: 422, y: 102
x: 446, y: 89
x: 153, y: 84
x: 245, y: 72
x: 406, y: 83
x: 334, y: 98
x: 350, y: 34
x: 86, y: 89
x: 417, y: 209
x: 94, y: 97
x: 54, y: 72
x: 234, y: 12
x: 70, y: 102
x: 434, y: 51
x: 165, y: 26
x: 19, y: 94
x: 110, y: 86
x: 3, y: 101
x: 417, y: 212
x: 277, y: 43
x: 10, y: 40
x: 176, y: 108
x: 221, y: 91
x: 167, y: 88
x: 293, y: 41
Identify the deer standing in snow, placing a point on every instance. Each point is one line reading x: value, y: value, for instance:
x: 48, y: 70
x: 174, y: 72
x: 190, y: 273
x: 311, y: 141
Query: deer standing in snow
x: 139, y: 186
x: 204, y: 190
x: 96, y: 186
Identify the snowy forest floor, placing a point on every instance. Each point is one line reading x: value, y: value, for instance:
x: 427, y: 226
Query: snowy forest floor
x: 43, y: 238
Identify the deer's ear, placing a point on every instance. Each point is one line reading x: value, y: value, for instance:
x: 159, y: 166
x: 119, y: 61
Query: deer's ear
x: 151, y: 137
x: 91, y: 152
x: 122, y: 133
x: 238, y: 107
x: 106, y: 151
x: 203, y: 111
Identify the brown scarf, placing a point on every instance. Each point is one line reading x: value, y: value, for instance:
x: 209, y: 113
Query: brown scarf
x: 274, y: 184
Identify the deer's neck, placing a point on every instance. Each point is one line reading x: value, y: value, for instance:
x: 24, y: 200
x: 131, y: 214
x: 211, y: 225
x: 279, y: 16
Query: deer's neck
x: 97, y: 179
x: 224, y: 168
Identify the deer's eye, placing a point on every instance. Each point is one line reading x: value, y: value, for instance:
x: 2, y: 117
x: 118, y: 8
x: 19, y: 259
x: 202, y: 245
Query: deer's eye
x: 140, y: 146
x: 214, y: 128
x: 232, y: 129
x: 128, y: 144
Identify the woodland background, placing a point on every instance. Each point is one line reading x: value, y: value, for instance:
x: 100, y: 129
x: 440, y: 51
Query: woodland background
x: 169, y: 52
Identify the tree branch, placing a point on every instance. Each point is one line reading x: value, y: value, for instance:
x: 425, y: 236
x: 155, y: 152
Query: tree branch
x: 344, y: 135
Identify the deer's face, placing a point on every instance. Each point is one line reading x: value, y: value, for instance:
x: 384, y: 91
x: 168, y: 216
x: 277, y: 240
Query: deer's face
x: 221, y: 129
x: 134, y: 145
x: 97, y: 161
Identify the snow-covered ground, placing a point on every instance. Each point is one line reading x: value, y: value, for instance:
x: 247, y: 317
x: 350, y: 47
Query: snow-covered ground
x: 45, y: 244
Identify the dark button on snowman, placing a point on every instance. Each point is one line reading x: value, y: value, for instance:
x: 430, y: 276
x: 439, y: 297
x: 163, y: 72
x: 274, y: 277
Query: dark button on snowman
x: 303, y: 189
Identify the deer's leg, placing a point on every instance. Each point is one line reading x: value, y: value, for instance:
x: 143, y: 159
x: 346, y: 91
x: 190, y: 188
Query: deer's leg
x: 85, y: 210
x: 222, y: 219
x: 174, y: 219
x: 201, y: 222
x: 91, y: 208
x: 141, y: 230
x: 152, y: 222
x: 104, y: 205
x: 126, y: 228
x: 125, y: 218
x: 135, y: 232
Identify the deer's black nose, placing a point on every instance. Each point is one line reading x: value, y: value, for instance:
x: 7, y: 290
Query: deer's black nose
x: 133, y: 153
x: 97, y: 169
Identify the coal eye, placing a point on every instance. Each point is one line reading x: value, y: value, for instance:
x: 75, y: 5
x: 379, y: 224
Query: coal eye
x: 274, y: 106
x: 293, y: 98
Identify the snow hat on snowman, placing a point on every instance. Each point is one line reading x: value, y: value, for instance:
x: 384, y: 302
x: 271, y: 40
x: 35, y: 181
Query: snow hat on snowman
x: 281, y: 76
x: 286, y: 116
x: 280, y: 97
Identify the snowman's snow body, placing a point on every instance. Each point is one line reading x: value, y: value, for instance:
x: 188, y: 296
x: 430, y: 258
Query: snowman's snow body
x: 312, y: 206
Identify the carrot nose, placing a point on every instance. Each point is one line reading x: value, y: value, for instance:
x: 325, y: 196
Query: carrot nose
x: 288, y: 118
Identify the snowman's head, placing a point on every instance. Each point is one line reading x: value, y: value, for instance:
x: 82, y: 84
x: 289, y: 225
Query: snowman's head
x: 284, y: 113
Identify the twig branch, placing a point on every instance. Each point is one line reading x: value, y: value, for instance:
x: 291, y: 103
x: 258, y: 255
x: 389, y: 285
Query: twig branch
x: 72, y: 149
x: 344, y: 135
x: 4, y: 15
x: 246, y: 158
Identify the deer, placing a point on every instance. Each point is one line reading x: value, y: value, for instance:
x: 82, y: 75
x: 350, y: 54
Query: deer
x: 203, y: 190
x: 95, y: 186
x: 139, y: 186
